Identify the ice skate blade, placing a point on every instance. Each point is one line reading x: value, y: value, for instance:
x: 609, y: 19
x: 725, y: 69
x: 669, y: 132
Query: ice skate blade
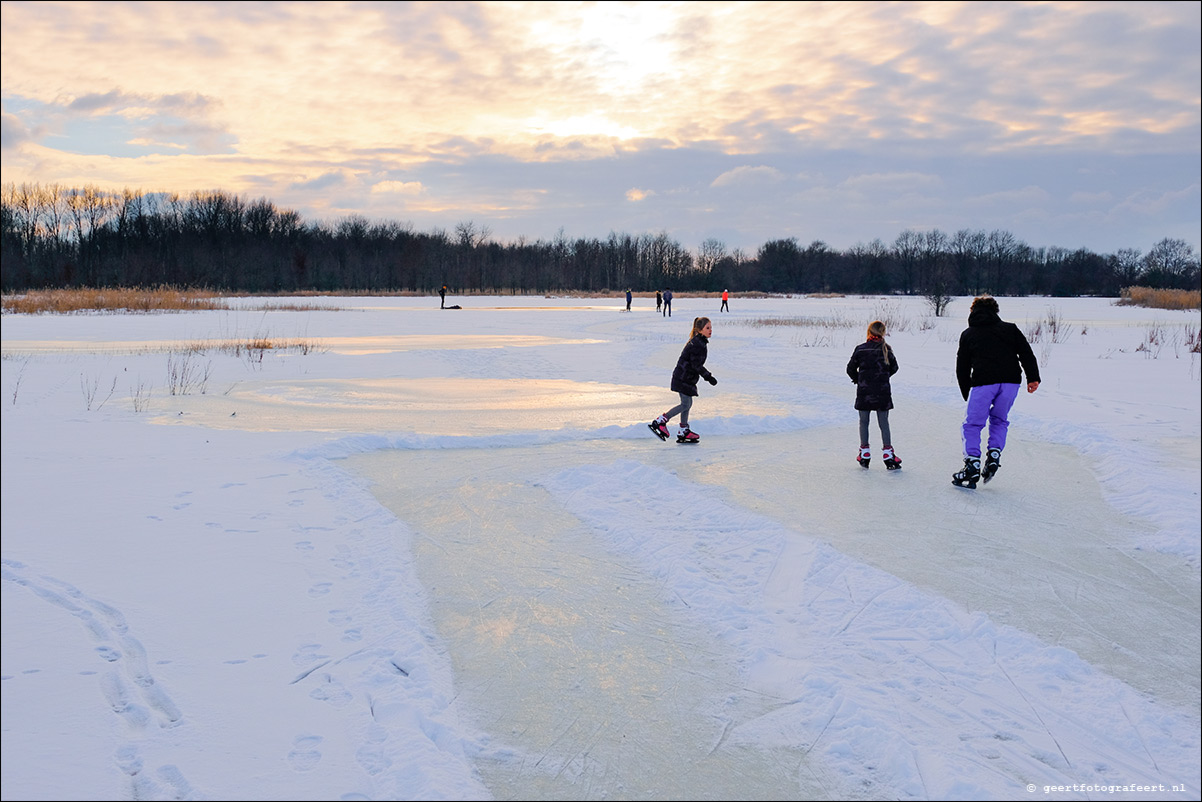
x: 965, y: 485
x: 657, y: 432
x: 688, y: 442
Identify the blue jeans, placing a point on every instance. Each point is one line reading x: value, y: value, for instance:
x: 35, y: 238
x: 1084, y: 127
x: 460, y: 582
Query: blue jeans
x: 990, y: 402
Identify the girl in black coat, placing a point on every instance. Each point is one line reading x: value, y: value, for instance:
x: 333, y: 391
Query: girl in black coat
x: 689, y: 368
x: 870, y: 366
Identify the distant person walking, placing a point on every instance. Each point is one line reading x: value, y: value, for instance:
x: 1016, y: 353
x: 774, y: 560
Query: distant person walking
x: 871, y: 364
x: 442, y: 295
x: 990, y: 363
x: 628, y: 298
x: 725, y: 301
x: 690, y: 367
x: 668, y: 302
x: 659, y: 300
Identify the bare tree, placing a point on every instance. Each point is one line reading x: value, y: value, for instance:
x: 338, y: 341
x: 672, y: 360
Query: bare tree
x: 907, y: 249
x: 1128, y: 263
x: 1002, y: 248
x: 869, y: 263
x: 711, y: 252
x: 1172, y: 263
x: 968, y: 253
x: 470, y: 235
x: 932, y: 259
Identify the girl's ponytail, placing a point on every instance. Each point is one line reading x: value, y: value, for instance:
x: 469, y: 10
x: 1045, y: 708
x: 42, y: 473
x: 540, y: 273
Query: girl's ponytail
x: 699, y: 323
x: 876, y: 330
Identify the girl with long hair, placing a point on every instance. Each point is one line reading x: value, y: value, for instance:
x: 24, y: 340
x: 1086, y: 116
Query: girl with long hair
x: 689, y: 368
x: 870, y: 366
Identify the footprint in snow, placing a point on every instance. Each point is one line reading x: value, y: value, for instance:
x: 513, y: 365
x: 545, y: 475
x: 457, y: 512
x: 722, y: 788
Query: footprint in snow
x: 304, y: 755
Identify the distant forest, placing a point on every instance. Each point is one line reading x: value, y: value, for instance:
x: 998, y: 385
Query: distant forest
x: 56, y: 237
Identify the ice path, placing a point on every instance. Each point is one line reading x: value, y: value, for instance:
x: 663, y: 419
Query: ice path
x: 542, y: 563
x: 1040, y: 550
x: 591, y: 686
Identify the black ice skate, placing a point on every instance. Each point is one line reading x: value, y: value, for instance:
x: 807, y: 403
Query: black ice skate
x: 968, y: 476
x: 891, y: 460
x: 993, y: 461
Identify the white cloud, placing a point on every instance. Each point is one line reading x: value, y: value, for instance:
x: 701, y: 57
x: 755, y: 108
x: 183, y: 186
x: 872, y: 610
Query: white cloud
x: 1091, y: 197
x: 14, y: 131
x: 398, y: 187
x: 1150, y: 202
x: 152, y: 143
x: 891, y: 181
x: 1019, y: 197
x: 747, y: 175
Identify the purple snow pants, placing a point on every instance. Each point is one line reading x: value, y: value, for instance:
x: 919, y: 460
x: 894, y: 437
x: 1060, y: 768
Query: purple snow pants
x: 992, y: 403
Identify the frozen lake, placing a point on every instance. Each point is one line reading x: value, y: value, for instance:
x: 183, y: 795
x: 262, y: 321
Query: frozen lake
x: 440, y: 556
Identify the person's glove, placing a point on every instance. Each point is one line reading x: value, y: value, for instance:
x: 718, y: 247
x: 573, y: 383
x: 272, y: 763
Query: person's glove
x: 711, y: 379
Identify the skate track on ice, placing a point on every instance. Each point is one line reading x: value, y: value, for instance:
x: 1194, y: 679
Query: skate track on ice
x: 593, y: 675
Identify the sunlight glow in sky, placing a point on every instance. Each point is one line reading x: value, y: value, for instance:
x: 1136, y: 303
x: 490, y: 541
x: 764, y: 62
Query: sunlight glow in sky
x: 627, y: 116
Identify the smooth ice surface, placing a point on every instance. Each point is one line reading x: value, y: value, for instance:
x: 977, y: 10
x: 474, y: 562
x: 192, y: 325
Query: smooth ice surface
x: 439, y: 556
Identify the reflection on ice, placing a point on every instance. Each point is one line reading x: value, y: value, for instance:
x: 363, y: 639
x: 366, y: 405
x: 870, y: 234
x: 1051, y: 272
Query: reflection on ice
x: 351, y: 346
x: 436, y: 406
x: 439, y: 342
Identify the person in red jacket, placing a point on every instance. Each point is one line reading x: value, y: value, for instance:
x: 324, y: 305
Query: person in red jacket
x: 990, y: 363
x: 725, y: 301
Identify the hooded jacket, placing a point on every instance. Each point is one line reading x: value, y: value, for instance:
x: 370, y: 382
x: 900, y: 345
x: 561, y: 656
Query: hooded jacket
x: 691, y: 366
x: 870, y: 370
x: 993, y: 351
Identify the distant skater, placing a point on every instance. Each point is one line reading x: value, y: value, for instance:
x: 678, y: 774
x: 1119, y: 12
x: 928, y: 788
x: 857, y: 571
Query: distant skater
x: 442, y: 294
x: 690, y: 367
x: 725, y: 301
x: 668, y: 302
x: 870, y: 366
x: 990, y: 363
x: 628, y: 299
x: 659, y: 301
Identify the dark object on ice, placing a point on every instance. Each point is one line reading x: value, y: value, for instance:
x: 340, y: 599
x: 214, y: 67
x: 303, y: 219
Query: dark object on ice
x: 969, y: 474
x: 993, y: 461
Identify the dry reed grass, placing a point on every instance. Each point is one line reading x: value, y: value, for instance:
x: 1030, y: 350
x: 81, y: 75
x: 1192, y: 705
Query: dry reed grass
x: 137, y: 300
x: 1160, y: 299
x: 253, y: 347
x: 835, y: 321
x: 115, y: 299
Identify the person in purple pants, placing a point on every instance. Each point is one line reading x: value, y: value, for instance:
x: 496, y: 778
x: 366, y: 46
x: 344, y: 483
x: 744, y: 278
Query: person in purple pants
x: 990, y: 363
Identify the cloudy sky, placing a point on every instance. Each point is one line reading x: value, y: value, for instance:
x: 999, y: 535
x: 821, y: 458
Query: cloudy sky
x: 1068, y: 124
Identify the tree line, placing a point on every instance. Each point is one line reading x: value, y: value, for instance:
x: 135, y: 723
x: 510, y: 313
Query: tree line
x: 58, y: 237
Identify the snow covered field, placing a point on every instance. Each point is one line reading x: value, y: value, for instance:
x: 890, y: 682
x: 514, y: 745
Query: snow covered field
x: 440, y: 556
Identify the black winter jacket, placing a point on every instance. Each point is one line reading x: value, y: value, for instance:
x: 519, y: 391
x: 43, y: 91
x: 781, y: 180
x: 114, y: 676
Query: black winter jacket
x: 691, y: 366
x: 991, y: 352
x: 870, y: 370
